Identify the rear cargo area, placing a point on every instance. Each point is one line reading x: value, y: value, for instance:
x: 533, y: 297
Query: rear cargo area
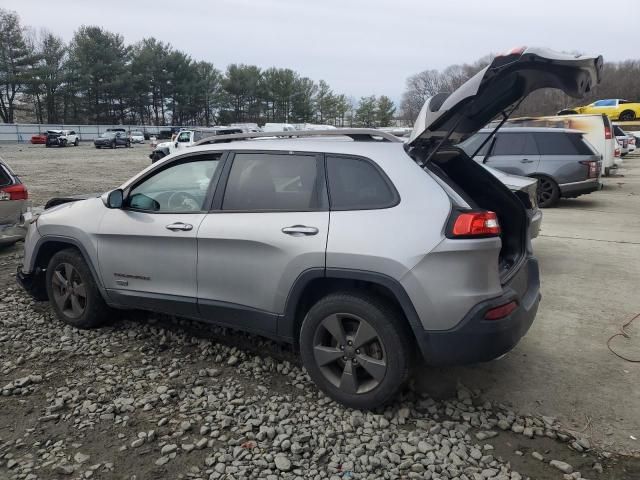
x: 481, y: 190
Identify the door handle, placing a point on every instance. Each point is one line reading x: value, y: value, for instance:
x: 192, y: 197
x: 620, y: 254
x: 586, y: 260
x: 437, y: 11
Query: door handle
x: 300, y: 230
x: 179, y: 226
x: 526, y: 160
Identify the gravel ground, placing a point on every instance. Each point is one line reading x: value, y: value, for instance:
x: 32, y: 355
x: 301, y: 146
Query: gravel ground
x: 151, y: 396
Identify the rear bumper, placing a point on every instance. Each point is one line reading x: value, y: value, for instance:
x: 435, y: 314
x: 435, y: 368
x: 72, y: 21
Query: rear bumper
x: 13, y: 232
x: 574, y: 189
x: 475, y: 339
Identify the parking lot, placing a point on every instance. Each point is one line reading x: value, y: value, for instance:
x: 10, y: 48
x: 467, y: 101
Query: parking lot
x: 134, y: 377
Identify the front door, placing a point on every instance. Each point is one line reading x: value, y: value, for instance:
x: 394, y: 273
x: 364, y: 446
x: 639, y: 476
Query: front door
x: 514, y: 153
x: 147, y: 250
x: 271, y: 227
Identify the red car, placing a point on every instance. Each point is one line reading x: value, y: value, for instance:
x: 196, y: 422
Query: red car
x: 39, y: 139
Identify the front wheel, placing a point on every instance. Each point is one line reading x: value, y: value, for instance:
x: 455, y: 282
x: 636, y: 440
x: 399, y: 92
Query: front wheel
x: 113, y: 145
x: 548, y: 192
x: 72, y: 291
x: 63, y: 143
x: 76, y: 142
x: 356, y: 349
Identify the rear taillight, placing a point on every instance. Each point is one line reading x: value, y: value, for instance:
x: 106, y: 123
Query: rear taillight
x: 617, y: 152
x: 632, y: 140
x: 15, y: 192
x: 475, y: 224
x: 607, y: 133
x: 502, y: 311
x: 593, y: 167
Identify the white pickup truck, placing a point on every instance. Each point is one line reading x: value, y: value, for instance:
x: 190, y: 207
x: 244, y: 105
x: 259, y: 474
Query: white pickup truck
x: 186, y: 138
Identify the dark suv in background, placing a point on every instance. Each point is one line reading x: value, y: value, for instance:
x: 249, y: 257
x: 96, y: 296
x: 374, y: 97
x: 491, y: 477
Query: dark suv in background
x: 562, y: 160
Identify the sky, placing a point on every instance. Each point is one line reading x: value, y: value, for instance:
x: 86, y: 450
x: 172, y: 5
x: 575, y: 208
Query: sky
x: 359, y: 47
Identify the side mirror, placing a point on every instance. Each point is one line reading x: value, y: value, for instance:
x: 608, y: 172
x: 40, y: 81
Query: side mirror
x: 114, y: 199
x: 176, y: 145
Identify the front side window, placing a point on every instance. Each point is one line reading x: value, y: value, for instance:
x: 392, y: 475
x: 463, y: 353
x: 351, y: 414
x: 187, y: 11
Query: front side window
x: 604, y: 103
x: 179, y: 188
x: 515, y: 144
x: 273, y: 181
x: 356, y: 184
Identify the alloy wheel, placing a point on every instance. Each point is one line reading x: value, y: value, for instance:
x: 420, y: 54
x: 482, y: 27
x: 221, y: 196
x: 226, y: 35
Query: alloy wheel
x: 545, y: 191
x: 349, y: 353
x: 69, y: 291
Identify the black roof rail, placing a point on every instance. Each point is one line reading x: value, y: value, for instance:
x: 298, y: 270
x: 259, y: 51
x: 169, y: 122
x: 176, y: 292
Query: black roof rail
x: 357, y: 134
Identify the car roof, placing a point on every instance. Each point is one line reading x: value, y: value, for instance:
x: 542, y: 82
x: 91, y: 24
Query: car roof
x: 323, y: 145
x: 516, y: 129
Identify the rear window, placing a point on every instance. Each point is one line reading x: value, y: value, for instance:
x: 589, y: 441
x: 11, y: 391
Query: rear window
x: 4, y: 177
x: 357, y: 184
x: 515, y: 144
x: 562, y: 144
x: 618, y: 131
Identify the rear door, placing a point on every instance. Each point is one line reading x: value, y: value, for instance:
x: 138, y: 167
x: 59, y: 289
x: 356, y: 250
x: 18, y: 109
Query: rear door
x: 564, y: 156
x: 269, y: 225
x: 515, y: 153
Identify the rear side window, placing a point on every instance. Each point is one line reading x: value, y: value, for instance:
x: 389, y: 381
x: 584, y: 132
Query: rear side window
x: 515, y: 144
x: 357, y: 184
x: 4, y: 177
x: 562, y: 144
x: 273, y: 181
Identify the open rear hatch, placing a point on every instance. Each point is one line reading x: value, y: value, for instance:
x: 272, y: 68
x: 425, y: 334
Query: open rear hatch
x: 447, y: 119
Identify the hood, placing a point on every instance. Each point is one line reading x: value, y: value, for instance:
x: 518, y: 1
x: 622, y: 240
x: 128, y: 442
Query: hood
x: 54, y: 202
x: 503, y: 84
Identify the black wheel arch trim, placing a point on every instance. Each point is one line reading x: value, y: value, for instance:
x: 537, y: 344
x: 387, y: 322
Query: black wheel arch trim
x: 287, y: 325
x: 72, y: 242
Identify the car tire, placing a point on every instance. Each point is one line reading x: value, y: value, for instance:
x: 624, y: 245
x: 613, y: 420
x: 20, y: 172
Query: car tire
x: 627, y: 116
x: 47, y: 145
x: 83, y: 306
x: 128, y: 144
x: 366, y: 331
x: 63, y: 143
x: 76, y: 142
x: 113, y: 145
x: 548, y: 191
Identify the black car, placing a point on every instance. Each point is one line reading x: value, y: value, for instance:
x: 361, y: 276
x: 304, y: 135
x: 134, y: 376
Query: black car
x: 112, y: 140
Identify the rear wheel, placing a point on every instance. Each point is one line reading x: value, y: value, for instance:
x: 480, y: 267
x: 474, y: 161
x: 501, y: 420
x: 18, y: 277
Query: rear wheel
x: 72, y: 291
x: 627, y: 116
x: 356, y: 349
x: 548, y: 192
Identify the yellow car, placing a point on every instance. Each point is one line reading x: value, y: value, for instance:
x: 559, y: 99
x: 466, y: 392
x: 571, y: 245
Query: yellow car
x: 615, y: 108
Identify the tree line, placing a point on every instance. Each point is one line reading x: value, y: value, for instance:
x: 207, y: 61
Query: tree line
x: 619, y: 80
x: 97, y: 78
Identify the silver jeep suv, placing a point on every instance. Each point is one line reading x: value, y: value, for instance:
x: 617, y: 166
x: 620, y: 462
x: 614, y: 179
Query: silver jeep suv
x: 360, y: 253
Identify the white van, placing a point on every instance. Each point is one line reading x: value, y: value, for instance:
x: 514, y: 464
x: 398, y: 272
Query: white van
x: 597, y: 128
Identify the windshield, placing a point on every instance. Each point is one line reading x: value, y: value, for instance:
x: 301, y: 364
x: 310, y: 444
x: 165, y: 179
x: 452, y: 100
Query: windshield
x: 136, y: 134
x: 108, y: 135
